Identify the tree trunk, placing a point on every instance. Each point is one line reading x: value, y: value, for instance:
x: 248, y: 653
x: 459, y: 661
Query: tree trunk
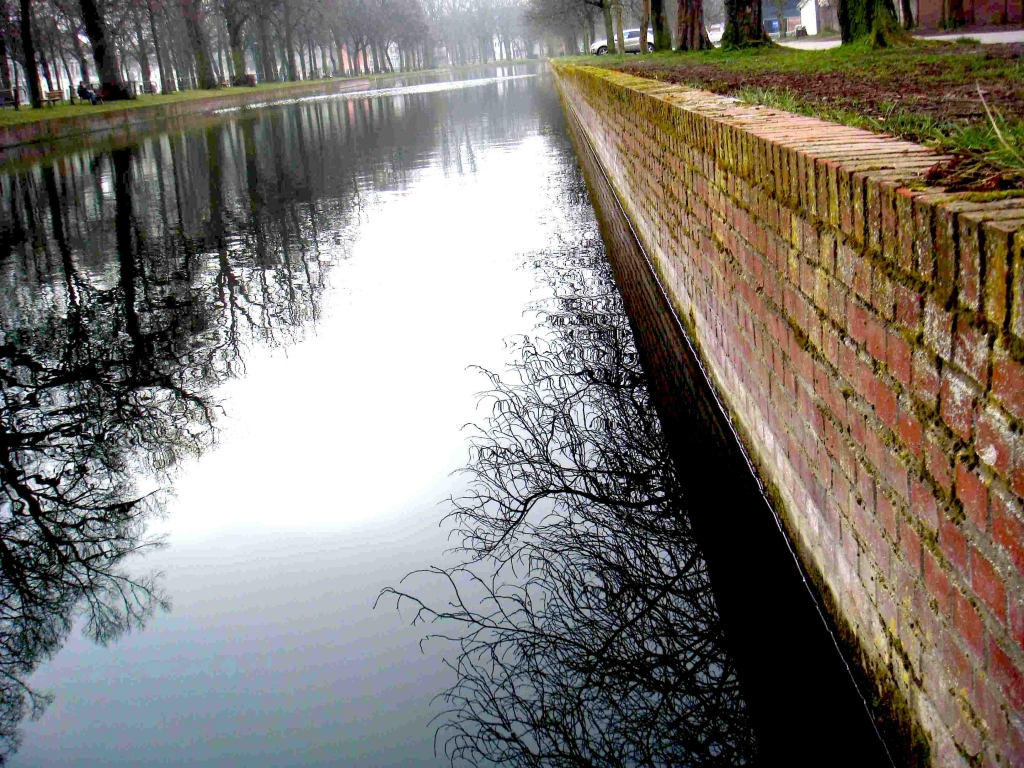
x: 620, y: 35
x: 45, y: 64
x: 352, y: 57
x: 83, y: 64
x: 103, y: 53
x: 5, y: 66
x: 227, y: 61
x: 662, y: 33
x: 609, y: 25
x: 908, y: 14
x: 236, y: 41
x: 744, y: 24
x: 645, y: 23
x: 28, y: 47
x: 179, y: 72
x: 143, y: 52
x: 194, y: 22
x: 289, y: 47
x: 859, y: 19
x: 339, y: 47
x: 161, y: 66
x: 780, y: 16
x: 71, y: 80
x: 267, y: 51
x: 213, y: 50
x: 691, y: 33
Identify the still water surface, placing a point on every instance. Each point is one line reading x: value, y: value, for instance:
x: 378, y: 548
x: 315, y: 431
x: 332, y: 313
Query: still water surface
x: 237, y: 365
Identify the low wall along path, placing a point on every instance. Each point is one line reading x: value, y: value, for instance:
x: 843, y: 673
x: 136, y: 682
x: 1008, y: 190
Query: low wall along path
x: 867, y: 334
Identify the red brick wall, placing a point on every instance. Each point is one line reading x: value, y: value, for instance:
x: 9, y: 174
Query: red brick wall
x: 867, y: 334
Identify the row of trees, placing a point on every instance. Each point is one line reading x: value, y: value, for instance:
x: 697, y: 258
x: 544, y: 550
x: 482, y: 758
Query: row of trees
x: 683, y: 24
x: 179, y: 44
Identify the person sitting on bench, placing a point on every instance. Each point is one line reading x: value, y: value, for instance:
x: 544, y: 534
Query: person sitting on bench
x: 85, y: 94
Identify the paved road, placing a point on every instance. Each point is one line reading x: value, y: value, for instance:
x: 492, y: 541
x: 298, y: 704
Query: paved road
x: 990, y: 38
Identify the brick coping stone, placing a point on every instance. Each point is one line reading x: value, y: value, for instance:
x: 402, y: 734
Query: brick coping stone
x: 866, y: 332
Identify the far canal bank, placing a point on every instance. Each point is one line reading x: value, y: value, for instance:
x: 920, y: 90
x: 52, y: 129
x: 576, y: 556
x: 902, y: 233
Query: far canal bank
x: 38, y: 137
x: 36, y: 133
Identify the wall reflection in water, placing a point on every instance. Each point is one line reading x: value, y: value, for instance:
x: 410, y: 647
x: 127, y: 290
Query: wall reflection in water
x: 582, y: 612
x: 133, y: 284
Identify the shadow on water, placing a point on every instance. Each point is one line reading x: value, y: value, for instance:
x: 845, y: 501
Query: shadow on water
x: 582, y: 611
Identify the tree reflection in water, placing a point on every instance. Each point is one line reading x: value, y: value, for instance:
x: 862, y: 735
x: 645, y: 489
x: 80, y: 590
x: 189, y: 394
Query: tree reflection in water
x: 586, y: 629
x: 134, y: 283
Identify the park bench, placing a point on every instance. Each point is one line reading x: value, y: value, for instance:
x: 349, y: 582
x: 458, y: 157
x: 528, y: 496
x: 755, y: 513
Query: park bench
x: 149, y: 87
x: 53, y: 97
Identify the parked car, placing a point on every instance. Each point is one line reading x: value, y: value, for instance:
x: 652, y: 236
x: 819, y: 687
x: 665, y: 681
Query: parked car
x: 632, y: 36
x: 715, y: 32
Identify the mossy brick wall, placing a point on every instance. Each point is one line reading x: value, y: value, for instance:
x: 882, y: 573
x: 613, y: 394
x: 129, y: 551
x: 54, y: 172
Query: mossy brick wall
x: 867, y: 334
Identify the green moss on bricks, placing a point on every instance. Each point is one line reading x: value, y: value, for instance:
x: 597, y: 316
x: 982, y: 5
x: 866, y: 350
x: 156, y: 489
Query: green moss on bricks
x: 641, y: 126
x: 986, y: 197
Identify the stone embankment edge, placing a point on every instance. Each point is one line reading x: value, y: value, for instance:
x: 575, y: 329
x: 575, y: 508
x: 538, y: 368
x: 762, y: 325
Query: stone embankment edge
x: 867, y: 334
x: 36, y: 139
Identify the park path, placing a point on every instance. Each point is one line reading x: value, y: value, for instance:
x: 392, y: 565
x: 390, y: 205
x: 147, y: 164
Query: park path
x: 989, y: 38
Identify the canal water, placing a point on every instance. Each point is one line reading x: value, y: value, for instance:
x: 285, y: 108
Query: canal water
x: 327, y: 441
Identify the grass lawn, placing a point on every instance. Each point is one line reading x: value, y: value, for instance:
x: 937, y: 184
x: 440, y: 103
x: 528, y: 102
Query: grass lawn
x: 926, y: 92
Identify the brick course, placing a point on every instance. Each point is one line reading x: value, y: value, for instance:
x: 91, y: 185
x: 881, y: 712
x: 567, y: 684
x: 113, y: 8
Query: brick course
x: 867, y: 334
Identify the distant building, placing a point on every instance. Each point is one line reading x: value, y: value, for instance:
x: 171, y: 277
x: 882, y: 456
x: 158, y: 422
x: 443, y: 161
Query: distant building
x: 817, y: 16
x: 950, y: 14
x: 790, y: 17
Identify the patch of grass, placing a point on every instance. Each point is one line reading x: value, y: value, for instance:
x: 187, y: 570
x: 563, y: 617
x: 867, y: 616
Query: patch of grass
x: 999, y: 142
x: 932, y: 92
x: 777, y: 98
